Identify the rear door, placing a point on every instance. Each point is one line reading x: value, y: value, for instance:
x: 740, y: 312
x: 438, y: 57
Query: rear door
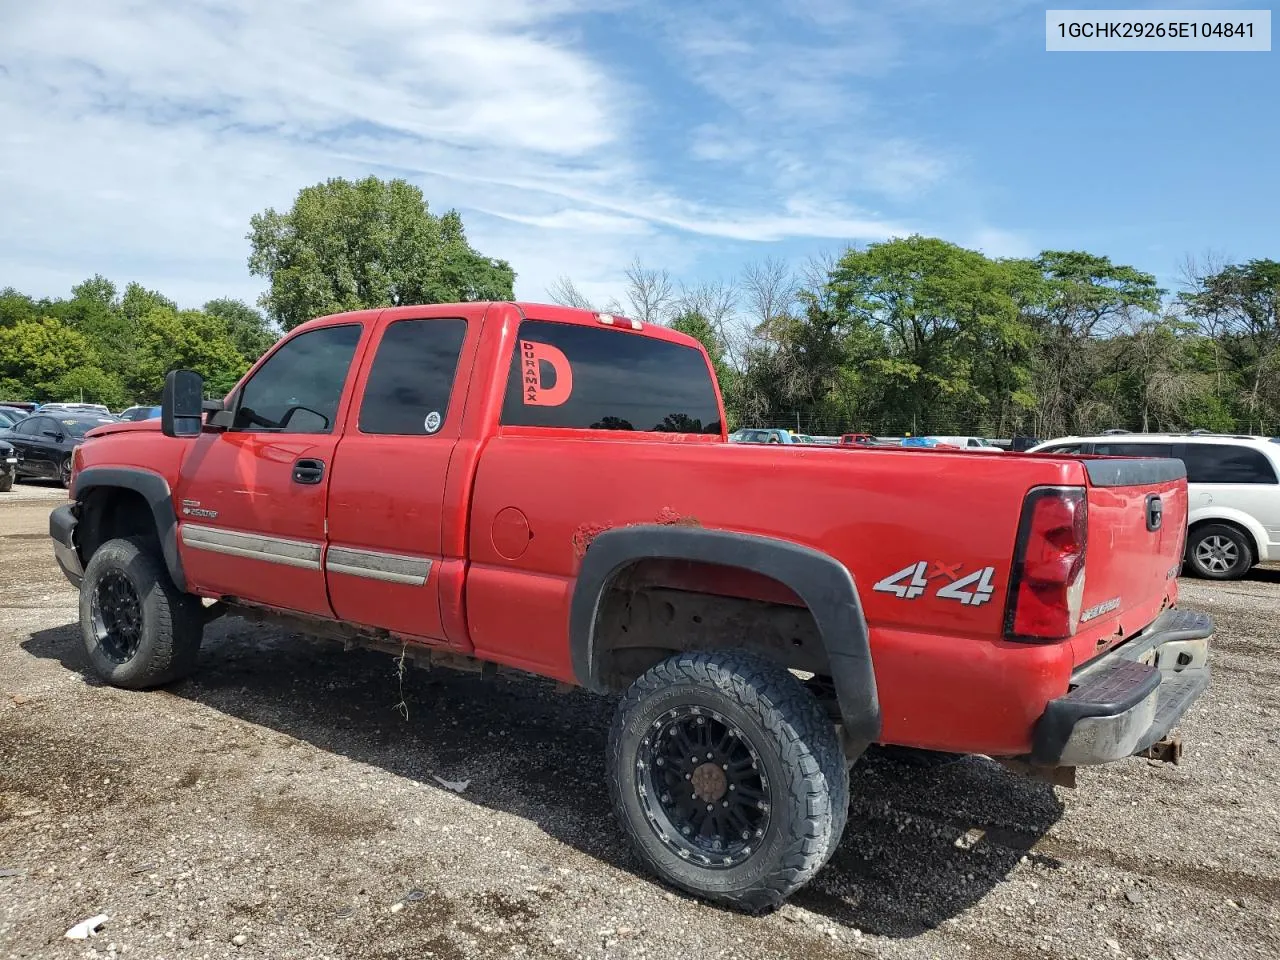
x: 388, y: 509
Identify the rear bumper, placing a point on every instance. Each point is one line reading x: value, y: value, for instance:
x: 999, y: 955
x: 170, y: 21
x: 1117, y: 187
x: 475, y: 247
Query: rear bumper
x: 1126, y: 700
x: 62, y: 530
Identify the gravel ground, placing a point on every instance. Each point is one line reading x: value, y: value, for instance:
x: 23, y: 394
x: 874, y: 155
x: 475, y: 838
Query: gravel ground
x: 278, y: 805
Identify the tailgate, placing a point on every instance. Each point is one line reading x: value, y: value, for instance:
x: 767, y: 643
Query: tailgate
x: 1137, y: 530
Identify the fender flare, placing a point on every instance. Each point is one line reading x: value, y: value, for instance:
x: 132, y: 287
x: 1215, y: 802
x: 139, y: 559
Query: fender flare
x: 822, y: 582
x: 155, y: 490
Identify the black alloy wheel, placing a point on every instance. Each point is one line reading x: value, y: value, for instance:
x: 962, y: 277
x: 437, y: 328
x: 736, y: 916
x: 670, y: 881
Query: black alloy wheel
x: 117, y: 616
x: 702, y: 787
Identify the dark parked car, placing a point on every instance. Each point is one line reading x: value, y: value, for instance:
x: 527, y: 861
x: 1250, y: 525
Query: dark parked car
x: 8, y: 461
x: 44, y: 442
x: 140, y: 413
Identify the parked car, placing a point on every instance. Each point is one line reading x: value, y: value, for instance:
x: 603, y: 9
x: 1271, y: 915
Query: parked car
x: 96, y: 408
x: 8, y: 466
x: 762, y: 435
x: 1233, y: 486
x: 24, y: 405
x: 1019, y: 610
x: 44, y: 442
x: 139, y: 413
x: 980, y: 444
x: 856, y: 440
x: 11, y: 415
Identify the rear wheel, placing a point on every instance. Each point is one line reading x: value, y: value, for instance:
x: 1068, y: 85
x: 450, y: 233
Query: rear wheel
x: 1219, y: 552
x: 138, y: 628
x: 64, y: 471
x: 728, y: 778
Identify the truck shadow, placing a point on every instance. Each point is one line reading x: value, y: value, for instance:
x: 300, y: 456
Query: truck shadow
x: 538, y: 754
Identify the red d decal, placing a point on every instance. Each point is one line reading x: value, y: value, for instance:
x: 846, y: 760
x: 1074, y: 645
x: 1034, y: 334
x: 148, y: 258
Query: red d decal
x: 532, y: 356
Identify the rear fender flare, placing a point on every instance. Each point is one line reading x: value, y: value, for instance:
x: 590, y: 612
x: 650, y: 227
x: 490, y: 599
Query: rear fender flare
x: 822, y: 582
x: 155, y: 490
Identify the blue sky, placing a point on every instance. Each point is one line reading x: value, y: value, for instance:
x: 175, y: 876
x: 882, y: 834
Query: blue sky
x: 137, y: 138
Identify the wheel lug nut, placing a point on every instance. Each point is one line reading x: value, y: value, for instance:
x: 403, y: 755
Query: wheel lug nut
x: 746, y: 835
x: 724, y: 766
x: 732, y: 787
x: 711, y: 806
x: 724, y: 803
x: 661, y: 761
x: 701, y: 721
x: 710, y: 755
x: 688, y: 776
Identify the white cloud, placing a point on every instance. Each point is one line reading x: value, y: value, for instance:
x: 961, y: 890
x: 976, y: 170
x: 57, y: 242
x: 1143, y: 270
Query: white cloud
x: 137, y: 137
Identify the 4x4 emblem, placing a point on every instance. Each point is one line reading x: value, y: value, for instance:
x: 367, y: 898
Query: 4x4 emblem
x: 912, y: 581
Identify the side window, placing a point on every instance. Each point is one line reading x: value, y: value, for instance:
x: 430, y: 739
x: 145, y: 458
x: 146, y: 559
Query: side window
x: 1065, y: 448
x: 298, y: 388
x: 973, y: 443
x: 32, y: 426
x: 1225, y: 463
x: 412, y: 377
x: 597, y: 378
x: 1134, y: 449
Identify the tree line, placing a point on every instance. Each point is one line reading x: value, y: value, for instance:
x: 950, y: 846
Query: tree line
x: 913, y: 334
x: 920, y: 335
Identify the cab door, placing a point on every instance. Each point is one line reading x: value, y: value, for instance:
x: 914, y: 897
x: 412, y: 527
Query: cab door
x: 251, y: 499
x: 394, y: 534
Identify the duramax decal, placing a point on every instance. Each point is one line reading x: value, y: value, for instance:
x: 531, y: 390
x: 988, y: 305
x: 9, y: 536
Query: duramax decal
x: 192, y: 508
x: 913, y: 580
x: 1098, y: 609
x: 536, y: 394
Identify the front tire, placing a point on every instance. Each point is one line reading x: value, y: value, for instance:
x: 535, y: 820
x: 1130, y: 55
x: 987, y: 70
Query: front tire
x: 728, y: 778
x: 1219, y: 552
x: 64, y: 472
x: 6, y: 483
x: 139, y: 630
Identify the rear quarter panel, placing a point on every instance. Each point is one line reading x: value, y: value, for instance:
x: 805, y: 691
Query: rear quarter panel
x: 946, y: 680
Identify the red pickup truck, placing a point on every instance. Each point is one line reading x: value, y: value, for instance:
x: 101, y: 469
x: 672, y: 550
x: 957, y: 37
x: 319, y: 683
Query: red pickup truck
x: 551, y: 490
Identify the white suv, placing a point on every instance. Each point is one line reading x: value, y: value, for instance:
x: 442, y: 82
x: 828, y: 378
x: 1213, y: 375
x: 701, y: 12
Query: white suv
x: 1232, y: 485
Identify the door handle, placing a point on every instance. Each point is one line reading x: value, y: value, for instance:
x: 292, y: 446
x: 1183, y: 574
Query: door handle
x: 308, y: 471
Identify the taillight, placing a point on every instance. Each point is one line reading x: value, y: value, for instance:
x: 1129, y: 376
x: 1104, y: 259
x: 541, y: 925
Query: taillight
x: 1047, y: 580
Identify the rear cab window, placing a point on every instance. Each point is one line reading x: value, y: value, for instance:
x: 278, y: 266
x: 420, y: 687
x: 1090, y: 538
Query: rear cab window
x: 597, y: 378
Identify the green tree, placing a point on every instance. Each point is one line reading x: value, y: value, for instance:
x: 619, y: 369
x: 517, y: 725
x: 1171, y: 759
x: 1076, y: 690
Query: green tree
x: 1081, y: 296
x: 168, y: 340
x: 948, y: 327
x: 370, y: 243
x: 35, y: 354
x: 1243, y: 301
x: 248, y: 329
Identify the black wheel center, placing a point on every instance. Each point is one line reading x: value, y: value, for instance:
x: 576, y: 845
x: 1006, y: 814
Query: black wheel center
x: 117, y: 616
x: 703, y: 787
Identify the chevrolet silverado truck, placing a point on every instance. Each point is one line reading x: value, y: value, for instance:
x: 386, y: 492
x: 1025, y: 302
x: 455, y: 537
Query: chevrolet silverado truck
x: 512, y: 485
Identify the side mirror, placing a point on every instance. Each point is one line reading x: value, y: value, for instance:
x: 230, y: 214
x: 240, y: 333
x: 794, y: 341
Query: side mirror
x: 52, y: 434
x: 182, y: 404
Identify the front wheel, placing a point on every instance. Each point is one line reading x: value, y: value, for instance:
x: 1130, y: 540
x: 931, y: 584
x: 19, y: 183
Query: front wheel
x: 1219, y: 552
x: 6, y: 483
x: 139, y: 630
x: 728, y: 778
x: 64, y: 471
